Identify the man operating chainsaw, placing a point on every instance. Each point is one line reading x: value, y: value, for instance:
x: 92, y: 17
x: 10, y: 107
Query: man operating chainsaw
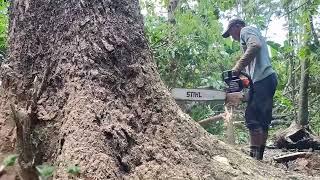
x: 255, y: 61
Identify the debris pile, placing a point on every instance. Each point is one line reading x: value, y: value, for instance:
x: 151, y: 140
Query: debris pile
x: 297, y: 137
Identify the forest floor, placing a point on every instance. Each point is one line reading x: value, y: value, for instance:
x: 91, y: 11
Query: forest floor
x: 308, y: 165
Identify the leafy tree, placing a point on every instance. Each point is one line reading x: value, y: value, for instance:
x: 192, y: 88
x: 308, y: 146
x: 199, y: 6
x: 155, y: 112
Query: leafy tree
x: 3, y: 27
x: 195, y: 54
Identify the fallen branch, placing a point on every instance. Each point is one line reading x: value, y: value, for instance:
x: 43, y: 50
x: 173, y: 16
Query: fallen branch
x: 228, y: 118
x: 278, y: 122
x: 211, y: 119
x: 286, y: 92
x: 283, y: 116
x: 292, y: 156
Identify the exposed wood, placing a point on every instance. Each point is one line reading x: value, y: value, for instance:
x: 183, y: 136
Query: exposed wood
x: 2, y: 171
x: 291, y: 156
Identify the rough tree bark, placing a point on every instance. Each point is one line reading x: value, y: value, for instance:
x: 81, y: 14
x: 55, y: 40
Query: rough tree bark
x: 84, y: 90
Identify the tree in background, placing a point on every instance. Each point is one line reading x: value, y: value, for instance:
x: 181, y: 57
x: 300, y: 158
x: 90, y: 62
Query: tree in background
x: 82, y: 88
x: 311, y: 43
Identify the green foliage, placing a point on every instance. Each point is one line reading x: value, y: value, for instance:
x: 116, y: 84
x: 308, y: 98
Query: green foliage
x: 45, y: 171
x: 190, y: 52
x: 10, y: 160
x: 242, y: 135
x: 275, y: 48
x: 282, y: 100
x: 74, y: 170
x: 4, y: 4
x: 216, y: 128
x: 202, y: 111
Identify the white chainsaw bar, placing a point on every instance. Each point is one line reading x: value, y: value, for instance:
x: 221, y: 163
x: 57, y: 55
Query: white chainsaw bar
x: 198, y: 94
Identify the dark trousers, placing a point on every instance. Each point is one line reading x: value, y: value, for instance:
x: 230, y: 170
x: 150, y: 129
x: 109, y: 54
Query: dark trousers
x: 259, y: 109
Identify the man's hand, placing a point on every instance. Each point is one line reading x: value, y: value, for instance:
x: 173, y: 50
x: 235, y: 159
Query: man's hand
x: 234, y: 99
x: 235, y: 71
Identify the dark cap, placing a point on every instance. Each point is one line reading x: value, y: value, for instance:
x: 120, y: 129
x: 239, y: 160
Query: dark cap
x: 230, y: 24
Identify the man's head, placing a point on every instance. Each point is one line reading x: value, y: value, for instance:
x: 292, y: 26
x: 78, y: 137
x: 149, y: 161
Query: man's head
x: 233, y: 29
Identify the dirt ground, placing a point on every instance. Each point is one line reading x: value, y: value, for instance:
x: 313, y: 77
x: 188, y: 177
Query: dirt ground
x: 307, y: 166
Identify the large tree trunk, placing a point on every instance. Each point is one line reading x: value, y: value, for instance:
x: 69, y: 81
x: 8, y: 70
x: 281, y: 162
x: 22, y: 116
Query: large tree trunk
x: 84, y: 90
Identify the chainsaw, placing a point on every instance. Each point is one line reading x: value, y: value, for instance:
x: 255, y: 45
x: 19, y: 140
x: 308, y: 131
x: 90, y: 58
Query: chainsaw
x: 237, y: 83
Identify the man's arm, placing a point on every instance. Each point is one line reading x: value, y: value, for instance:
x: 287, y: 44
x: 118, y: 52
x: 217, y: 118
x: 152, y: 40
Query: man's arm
x: 253, y: 46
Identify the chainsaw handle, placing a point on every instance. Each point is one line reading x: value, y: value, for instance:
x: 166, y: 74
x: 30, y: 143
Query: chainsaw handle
x: 247, y: 76
x: 250, y: 85
x: 233, y: 80
x: 230, y: 74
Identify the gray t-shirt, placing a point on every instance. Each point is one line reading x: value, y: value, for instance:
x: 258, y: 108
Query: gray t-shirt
x: 260, y: 67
